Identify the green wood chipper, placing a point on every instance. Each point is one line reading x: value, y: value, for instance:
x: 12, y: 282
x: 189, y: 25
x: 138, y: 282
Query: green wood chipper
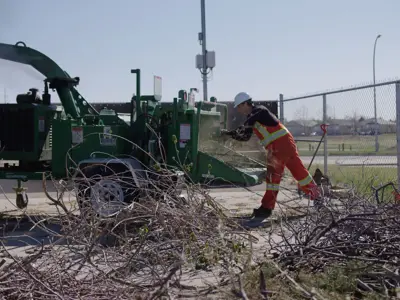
x: 38, y: 136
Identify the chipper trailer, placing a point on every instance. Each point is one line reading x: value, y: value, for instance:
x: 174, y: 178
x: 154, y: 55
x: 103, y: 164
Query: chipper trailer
x: 72, y: 137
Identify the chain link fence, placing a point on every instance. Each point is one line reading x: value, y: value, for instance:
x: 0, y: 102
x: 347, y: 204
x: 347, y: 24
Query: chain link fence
x: 360, y: 147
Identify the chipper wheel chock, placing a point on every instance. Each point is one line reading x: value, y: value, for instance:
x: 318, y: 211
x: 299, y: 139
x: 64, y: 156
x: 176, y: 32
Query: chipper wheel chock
x: 21, y: 195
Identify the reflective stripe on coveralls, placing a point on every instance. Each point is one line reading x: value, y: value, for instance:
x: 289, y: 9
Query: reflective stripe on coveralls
x: 306, y: 180
x: 275, y: 187
x: 272, y: 187
x: 268, y: 137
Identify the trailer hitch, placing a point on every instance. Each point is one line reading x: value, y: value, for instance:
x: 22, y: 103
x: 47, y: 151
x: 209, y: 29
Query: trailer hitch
x: 21, y: 196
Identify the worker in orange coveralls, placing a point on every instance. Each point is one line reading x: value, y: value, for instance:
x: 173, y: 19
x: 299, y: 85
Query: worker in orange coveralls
x: 282, y: 151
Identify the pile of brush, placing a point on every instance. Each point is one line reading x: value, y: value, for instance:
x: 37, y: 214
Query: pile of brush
x: 354, y: 232
x: 143, y: 253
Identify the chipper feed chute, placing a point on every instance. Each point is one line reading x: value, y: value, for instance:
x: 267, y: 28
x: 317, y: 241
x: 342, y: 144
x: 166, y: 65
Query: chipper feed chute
x: 217, y: 159
x: 232, y: 165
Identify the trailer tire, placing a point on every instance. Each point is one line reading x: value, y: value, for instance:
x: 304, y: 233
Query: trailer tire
x: 97, y: 186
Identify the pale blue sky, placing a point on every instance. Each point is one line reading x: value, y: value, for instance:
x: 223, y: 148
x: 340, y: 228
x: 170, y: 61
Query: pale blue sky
x: 262, y: 47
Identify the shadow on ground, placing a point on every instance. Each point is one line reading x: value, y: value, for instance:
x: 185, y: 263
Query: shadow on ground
x: 38, y: 230
x: 28, y: 231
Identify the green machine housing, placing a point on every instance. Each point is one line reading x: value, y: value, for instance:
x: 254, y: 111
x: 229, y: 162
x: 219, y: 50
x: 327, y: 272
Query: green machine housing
x: 39, y: 136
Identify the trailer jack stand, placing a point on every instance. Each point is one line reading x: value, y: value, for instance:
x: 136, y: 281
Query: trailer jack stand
x: 21, y: 195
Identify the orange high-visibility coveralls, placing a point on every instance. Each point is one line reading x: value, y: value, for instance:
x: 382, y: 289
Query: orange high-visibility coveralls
x: 282, y: 152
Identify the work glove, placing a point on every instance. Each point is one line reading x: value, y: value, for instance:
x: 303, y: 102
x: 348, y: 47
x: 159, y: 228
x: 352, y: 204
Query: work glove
x: 226, y: 132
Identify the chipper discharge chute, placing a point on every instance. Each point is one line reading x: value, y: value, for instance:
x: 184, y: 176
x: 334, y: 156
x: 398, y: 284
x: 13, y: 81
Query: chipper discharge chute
x: 72, y: 140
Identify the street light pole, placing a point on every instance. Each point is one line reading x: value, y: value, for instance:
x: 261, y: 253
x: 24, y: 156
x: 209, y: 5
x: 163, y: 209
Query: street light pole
x: 375, y: 112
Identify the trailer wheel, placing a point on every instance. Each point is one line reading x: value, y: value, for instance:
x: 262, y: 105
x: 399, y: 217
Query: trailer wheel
x: 106, y: 187
x: 101, y: 199
x: 107, y: 198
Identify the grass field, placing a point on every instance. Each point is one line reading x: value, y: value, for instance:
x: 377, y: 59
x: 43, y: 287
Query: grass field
x: 362, y: 179
x: 350, y: 145
x: 357, y: 175
x: 336, y: 283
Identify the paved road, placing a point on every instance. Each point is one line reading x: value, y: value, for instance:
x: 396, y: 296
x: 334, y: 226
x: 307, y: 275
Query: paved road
x: 349, y: 160
x: 346, y: 160
x: 354, y: 160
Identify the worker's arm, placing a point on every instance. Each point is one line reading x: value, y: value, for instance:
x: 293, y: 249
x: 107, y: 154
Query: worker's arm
x: 259, y: 114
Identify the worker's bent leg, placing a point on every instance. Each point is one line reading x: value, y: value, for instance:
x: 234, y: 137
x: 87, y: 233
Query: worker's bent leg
x: 303, y: 177
x: 275, y: 169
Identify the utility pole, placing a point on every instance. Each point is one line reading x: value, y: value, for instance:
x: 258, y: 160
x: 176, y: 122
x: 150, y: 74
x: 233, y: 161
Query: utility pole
x: 206, y: 60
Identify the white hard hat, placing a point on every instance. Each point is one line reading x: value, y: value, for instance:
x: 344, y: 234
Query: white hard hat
x: 240, y: 98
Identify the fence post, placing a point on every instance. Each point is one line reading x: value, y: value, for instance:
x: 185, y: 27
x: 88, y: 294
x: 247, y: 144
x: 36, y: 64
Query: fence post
x: 281, y: 115
x: 325, y: 119
x: 398, y: 130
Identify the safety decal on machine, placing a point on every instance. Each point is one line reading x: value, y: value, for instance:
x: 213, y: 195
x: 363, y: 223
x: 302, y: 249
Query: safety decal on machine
x: 42, y: 124
x: 106, y: 139
x: 77, y: 135
x: 184, y: 135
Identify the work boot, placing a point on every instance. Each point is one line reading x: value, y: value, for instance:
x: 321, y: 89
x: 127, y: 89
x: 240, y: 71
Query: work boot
x: 262, y: 212
x: 257, y: 218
